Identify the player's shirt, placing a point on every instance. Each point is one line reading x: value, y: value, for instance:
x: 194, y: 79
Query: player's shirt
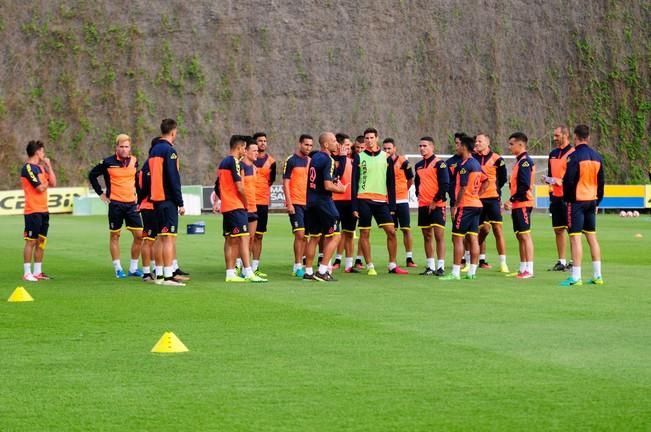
x: 265, y: 177
x: 164, y: 173
x: 322, y: 168
x: 373, y: 178
x: 295, y: 170
x: 119, y: 177
x: 470, y: 175
x: 432, y: 181
x: 229, y: 173
x: 343, y: 170
x: 522, y: 181
x: 248, y: 181
x: 584, y: 177
x: 452, y: 164
x: 31, y: 177
x: 403, y: 174
x: 494, y: 168
x: 556, y: 168
x: 143, y: 186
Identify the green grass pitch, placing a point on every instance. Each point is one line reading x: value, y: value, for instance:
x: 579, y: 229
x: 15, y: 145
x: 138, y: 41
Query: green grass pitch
x: 400, y: 353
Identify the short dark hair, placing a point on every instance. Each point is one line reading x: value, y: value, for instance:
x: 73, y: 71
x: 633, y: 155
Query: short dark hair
x: 237, y: 140
x: 341, y: 137
x: 249, y: 142
x: 519, y: 136
x: 459, y: 135
x: 582, y: 131
x: 258, y: 135
x: 389, y: 141
x: 468, y: 143
x: 167, y: 126
x: 33, y: 147
x: 360, y: 139
x: 427, y: 138
x: 303, y: 137
x: 370, y: 130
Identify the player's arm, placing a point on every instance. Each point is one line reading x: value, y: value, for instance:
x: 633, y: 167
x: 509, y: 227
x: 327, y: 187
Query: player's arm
x: 93, y: 175
x: 417, y: 183
x: 33, y: 179
x: 51, y: 175
x: 502, y: 175
x: 329, y: 182
x: 443, y: 178
x: 600, y: 182
x: 391, y: 185
x: 287, y: 175
x: 272, y: 173
x: 353, y: 184
x: 571, y: 179
x: 523, y: 182
x: 234, y: 170
x: 174, y: 178
x: 409, y: 173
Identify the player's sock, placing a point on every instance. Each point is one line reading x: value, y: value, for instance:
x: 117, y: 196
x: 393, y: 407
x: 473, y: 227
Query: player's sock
x: 27, y: 268
x: 323, y: 268
x: 392, y: 265
x: 596, y: 269
x: 338, y: 257
x: 482, y: 257
x: 255, y: 264
x: 529, y: 265
x: 523, y: 266
x: 369, y: 266
x: 430, y: 263
x: 466, y: 256
x: 409, y: 254
x: 296, y: 267
x: 576, y: 272
x: 247, y: 271
x: 168, y: 272
x: 348, y: 262
x: 159, y: 271
x: 309, y: 271
x: 456, y: 270
x: 116, y: 265
x: 146, y: 269
x: 175, y: 265
x: 230, y: 273
x: 133, y: 265
x: 238, y: 262
x: 502, y: 259
x: 359, y: 258
x: 472, y: 270
x: 563, y: 261
x: 440, y: 264
x: 38, y: 268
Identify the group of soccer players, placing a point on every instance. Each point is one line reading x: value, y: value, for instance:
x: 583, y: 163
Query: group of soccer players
x: 331, y: 192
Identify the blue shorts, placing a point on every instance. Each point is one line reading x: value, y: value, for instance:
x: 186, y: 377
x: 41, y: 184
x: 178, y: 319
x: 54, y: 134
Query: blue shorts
x: 322, y: 218
x: 126, y: 213
x: 251, y: 216
x: 297, y: 220
x: 167, y: 218
x: 263, y: 217
x: 466, y: 221
x: 435, y: 218
x: 558, y: 209
x: 235, y: 223
x: 150, y: 226
x: 369, y: 210
x: 348, y: 221
x: 521, y: 218
x: 491, y: 211
x: 582, y: 217
x: 401, y: 217
x: 36, y: 225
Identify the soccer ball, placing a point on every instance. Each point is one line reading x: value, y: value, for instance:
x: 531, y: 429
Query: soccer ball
x: 622, y: 213
x: 636, y: 213
x: 629, y: 214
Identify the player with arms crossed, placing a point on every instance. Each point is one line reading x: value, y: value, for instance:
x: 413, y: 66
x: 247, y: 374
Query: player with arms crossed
x: 265, y: 176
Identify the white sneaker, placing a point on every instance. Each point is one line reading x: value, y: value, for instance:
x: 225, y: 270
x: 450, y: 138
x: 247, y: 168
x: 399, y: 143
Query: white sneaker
x: 172, y: 282
x: 30, y: 278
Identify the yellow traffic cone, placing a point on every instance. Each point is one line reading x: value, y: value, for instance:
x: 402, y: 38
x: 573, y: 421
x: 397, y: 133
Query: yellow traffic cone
x: 169, y: 343
x: 20, y: 294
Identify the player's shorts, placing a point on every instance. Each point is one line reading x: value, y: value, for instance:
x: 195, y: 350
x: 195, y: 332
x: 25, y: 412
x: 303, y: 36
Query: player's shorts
x: 149, y: 223
x: 167, y: 218
x: 322, y: 218
x: 558, y: 209
x: 346, y: 218
x: 251, y: 216
x: 435, y: 218
x: 401, y: 217
x: 235, y: 223
x: 582, y: 217
x: 369, y: 209
x: 263, y: 217
x: 521, y: 218
x: 491, y: 211
x: 124, y: 212
x: 36, y: 225
x: 297, y: 220
x: 466, y: 221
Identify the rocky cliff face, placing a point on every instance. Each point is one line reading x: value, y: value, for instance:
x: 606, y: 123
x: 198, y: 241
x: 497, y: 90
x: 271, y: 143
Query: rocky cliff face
x: 76, y: 73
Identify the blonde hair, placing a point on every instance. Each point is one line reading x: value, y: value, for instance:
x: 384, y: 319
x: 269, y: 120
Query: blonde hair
x: 121, y: 138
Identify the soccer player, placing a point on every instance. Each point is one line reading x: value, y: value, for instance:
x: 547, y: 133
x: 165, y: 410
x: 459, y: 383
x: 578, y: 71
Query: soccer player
x: 249, y: 182
x: 452, y: 163
x: 373, y: 196
x: 521, y: 202
x: 404, y: 178
x: 295, y: 189
x: 36, y: 177
x: 265, y: 177
x: 469, y: 183
x: 150, y: 228
x: 556, y: 169
x: 344, y: 171
x: 119, y: 173
x: 321, y: 215
x: 494, y: 168
x: 165, y: 194
x: 233, y: 204
x: 432, y: 182
x: 359, y: 146
x: 583, y: 190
